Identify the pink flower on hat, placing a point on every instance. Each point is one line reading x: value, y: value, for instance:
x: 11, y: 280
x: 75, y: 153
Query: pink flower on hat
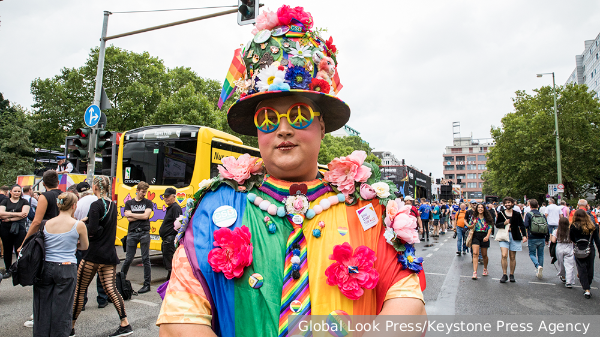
x: 233, y: 252
x: 266, y: 20
x: 345, y: 171
x: 352, y: 273
x: 240, y: 169
x: 287, y: 13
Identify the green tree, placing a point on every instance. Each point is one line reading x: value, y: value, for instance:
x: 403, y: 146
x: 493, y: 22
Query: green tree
x: 333, y: 147
x: 16, y: 150
x: 523, y: 162
x: 137, y: 84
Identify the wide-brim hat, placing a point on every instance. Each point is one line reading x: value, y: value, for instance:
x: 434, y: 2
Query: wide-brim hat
x: 285, y: 58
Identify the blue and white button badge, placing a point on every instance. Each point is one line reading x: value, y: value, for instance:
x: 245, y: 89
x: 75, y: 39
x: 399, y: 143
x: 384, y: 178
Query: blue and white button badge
x: 224, y: 216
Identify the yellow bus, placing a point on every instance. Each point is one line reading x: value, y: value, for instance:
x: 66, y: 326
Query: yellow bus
x: 178, y: 156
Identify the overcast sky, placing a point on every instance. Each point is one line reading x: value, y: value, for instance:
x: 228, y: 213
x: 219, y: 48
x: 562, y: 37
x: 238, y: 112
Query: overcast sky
x: 409, y: 68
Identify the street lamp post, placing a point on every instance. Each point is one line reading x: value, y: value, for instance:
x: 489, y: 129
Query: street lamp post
x: 558, y: 168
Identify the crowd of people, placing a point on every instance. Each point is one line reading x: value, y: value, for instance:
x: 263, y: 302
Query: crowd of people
x: 79, y: 228
x: 571, y: 234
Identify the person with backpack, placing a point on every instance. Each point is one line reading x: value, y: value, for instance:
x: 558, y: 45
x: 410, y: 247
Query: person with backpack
x: 537, y: 236
x: 13, y: 212
x: 53, y: 294
x: 101, y: 256
x: 584, y: 235
x: 564, y: 252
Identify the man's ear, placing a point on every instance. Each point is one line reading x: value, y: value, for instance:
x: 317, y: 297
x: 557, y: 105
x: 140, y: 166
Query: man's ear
x: 322, y: 123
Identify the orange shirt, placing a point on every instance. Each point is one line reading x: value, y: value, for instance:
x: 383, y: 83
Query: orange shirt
x: 585, y: 209
x: 460, y: 218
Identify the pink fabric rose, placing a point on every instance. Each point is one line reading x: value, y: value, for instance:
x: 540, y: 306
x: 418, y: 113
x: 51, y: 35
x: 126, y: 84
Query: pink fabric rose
x: 345, y: 171
x: 367, y: 192
x: 233, y: 252
x: 352, y: 273
x: 266, y: 20
x: 286, y: 13
x: 298, y: 204
x: 404, y: 225
x: 240, y: 169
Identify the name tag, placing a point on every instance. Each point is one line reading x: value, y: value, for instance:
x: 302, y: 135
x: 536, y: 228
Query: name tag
x: 367, y: 216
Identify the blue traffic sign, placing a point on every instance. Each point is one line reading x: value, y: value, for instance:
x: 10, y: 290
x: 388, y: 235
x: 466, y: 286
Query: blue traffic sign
x: 92, y: 115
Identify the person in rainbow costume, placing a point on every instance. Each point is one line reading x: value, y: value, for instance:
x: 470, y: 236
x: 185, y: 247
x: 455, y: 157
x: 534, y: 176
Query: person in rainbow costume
x: 271, y: 238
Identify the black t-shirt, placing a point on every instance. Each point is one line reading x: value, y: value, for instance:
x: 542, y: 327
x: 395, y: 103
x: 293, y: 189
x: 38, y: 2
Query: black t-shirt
x: 14, y: 206
x: 52, y: 208
x: 173, y: 212
x: 102, y: 230
x: 444, y: 211
x: 139, y: 207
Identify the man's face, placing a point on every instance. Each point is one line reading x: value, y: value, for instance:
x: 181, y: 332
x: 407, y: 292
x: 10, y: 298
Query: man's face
x: 509, y: 204
x: 141, y: 193
x: 169, y: 200
x: 289, y: 153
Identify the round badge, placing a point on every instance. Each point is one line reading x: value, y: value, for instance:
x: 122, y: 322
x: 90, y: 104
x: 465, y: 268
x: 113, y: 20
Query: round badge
x: 297, y: 219
x: 262, y: 36
x: 255, y: 280
x: 224, y: 216
x: 296, y: 306
x: 278, y: 31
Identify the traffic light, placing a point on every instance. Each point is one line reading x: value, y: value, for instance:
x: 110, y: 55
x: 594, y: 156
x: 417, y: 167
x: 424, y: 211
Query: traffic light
x: 104, y: 141
x: 247, y: 11
x: 82, y: 141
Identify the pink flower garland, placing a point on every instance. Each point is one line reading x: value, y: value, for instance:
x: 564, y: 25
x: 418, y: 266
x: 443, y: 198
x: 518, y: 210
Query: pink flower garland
x: 402, y: 222
x: 344, y: 172
x: 240, y: 169
x: 352, y: 272
x: 233, y: 252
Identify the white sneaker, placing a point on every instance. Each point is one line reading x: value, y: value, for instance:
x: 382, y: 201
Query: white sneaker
x: 28, y: 324
x: 539, y: 272
x: 31, y: 317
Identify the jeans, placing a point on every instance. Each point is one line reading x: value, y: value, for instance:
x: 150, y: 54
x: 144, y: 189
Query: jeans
x: 536, y: 246
x: 551, y: 228
x: 425, y: 228
x: 102, y: 298
x: 461, y: 239
x: 143, y: 238
x: 53, y: 299
x: 168, y: 250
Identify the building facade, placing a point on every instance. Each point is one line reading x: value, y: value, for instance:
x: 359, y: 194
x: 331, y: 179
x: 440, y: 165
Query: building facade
x: 587, y: 65
x: 464, y: 163
x: 387, y: 158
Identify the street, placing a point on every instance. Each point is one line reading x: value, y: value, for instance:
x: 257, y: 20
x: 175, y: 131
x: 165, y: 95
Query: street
x: 450, y: 291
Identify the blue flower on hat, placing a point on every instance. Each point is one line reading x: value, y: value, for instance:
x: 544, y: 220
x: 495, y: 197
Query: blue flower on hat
x: 409, y: 260
x: 298, y: 77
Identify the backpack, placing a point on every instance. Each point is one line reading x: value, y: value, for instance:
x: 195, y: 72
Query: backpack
x: 539, y: 225
x: 582, y: 248
x: 28, y: 268
x: 124, y: 286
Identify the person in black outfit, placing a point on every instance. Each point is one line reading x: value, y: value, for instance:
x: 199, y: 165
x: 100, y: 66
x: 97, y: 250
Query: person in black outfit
x: 583, y: 229
x: 137, y: 211
x: 167, y: 232
x: 516, y: 233
x: 47, y: 207
x: 101, y: 256
x: 13, y: 212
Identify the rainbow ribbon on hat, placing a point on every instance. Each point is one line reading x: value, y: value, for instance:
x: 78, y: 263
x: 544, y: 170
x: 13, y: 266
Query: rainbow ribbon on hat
x: 294, y: 290
x: 236, y: 71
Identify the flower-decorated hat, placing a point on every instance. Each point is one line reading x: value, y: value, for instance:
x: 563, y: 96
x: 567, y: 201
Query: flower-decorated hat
x: 284, y: 58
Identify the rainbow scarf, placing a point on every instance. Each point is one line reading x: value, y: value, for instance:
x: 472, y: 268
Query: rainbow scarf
x: 279, y: 189
x: 236, y: 71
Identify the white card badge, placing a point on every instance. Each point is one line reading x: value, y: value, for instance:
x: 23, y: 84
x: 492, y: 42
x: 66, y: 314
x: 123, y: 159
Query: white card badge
x: 367, y: 216
x: 224, y: 216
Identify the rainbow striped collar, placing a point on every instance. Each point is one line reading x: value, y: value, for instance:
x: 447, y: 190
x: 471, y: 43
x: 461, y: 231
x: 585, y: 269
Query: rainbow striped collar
x: 279, y: 189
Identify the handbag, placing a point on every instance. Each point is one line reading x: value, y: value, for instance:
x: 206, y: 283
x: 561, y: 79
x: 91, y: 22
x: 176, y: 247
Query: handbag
x: 470, y: 238
x: 502, y: 233
x: 14, y: 228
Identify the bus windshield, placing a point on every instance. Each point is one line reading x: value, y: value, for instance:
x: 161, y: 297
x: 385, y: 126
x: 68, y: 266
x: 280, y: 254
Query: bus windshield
x: 167, y: 161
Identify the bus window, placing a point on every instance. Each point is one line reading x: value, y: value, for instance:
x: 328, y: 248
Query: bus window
x: 222, y: 149
x: 159, y: 162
